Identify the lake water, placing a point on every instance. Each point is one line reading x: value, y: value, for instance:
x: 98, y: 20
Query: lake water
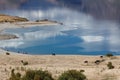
x: 80, y: 34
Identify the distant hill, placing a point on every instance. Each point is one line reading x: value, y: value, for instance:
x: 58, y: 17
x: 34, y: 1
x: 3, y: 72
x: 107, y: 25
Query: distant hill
x: 7, y: 18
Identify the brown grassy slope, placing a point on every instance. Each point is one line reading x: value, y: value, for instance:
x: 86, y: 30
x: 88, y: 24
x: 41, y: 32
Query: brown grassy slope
x: 60, y: 63
x: 7, y: 18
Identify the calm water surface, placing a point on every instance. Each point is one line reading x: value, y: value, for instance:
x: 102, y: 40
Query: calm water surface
x: 80, y: 34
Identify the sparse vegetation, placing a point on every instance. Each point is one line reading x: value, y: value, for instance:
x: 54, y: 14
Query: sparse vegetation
x: 53, y: 54
x: 101, y: 56
x: 37, y: 21
x: 41, y: 20
x: 31, y: 75
x: 72, y: 75
x: 7, y: 53
x: 15, y: 76
x: 97, y: 62
x: 24, y: 62
x: 110, y: 66
x: 37, y: 75
x: 109, y: 55
x: 85, y: 61
x: 82, y: 70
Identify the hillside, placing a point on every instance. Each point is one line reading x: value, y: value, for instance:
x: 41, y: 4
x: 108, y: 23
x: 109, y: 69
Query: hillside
x: 7, y: 18
x: 60, y: 63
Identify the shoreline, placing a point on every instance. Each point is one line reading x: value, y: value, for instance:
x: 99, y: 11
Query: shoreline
x: 28, y: 24
x: 58, y: 54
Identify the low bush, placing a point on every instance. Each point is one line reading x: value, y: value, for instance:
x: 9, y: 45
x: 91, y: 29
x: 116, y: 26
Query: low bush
x: 53, y: 54
x: 97, y: 62
x: 25, y: 63
x: 85, y: 61
x: 7, y: 53
x: 110, y: 66
x: 82, y: 71
x: 15, y: 76
x: 37, y: 75
x: 101, y: 56
x: 45, y: 75
x: 31, y: 75
x: 72, y: 75
x: 109, y: 54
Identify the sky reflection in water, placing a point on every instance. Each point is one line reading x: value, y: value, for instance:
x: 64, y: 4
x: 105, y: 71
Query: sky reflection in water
x: 80, y: 34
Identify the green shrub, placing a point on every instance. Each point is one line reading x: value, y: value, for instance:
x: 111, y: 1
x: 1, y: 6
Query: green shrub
x: 14, y: 76
x: 72, y: 75
x: 82, y: 71
x: 37, y: 75
x: 109, y: 65
x: 31, y: 75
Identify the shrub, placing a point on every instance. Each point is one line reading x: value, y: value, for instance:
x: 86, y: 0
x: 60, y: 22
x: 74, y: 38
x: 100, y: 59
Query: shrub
x: 109, y: 55
x: 109, y: 65
x: 85, y: 61
x: 32, y: 75
x: 97, y: 62
x: 25, y: 63
x: 22, y: 61
x: 72, y: 75
x: 82, y: 71
x: 7, y: 53
x: 29, y: 75
x: 14, y: 76
x: 37, y: 75
x: 101, y: 56
x: 37, y: 20
x: 53, y: 54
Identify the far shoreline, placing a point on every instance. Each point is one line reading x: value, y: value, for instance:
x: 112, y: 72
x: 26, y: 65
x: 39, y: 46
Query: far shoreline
x: 10, y: 22
x: 56, y: 54
x: 28, y: 24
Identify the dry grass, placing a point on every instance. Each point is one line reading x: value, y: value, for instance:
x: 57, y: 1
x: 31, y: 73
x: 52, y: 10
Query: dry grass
x: 58, y: 64
x: 7, y: 18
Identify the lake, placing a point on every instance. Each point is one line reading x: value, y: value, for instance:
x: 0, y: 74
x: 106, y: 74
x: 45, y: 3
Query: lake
x: 80, y: 34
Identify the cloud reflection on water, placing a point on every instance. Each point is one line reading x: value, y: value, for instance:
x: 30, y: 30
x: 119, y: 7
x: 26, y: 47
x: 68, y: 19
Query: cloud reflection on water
x: 96, y: 35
